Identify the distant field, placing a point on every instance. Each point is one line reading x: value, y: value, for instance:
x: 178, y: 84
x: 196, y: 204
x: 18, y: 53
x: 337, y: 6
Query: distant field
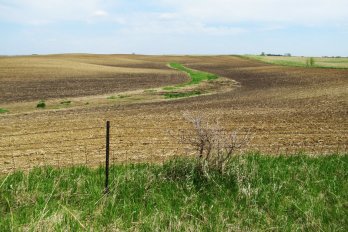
x: 300, y: 61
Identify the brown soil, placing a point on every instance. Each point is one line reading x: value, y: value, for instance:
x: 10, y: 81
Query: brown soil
x: 64, y: 76
x: 287, y: 109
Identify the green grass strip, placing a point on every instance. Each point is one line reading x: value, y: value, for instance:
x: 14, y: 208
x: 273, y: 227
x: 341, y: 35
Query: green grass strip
x: 255, y: 193
x: 329, y: 63
x: 196, y: 76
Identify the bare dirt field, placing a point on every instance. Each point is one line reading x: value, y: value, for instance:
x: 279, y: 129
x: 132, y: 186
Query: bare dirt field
x: 45, y: 77
x: 288, y: 109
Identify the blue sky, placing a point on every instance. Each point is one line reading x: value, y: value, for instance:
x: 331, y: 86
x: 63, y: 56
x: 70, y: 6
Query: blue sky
x: 300, y: 27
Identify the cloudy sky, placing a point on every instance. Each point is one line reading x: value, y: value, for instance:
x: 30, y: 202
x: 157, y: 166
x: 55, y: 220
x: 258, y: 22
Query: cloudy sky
x: 300, y: 27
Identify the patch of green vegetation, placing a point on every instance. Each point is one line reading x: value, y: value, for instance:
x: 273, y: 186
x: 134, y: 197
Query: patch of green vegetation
x: 150, y: 91
x: 338, y: 63
x: 183, y: 94
x: 63, y: 104
x: 2, y: 111
x: 255, y: 192
x: 196, y: 76
x: 118, y: 96
x: 123, y: 96
x: 288, y: 63
x: 66, y: 102
x: 169, y: 88
x: 275, y: 60
x: 41, y: 104
x: 310, y: 62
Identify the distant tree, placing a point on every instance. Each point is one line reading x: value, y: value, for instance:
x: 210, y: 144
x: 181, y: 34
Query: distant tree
x: 287, y: 54
x: 270, y: 54
x: 262, y: 54
x: 310, y: 62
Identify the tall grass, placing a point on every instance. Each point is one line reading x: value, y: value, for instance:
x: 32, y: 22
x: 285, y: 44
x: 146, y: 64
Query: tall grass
x: 257, y: 192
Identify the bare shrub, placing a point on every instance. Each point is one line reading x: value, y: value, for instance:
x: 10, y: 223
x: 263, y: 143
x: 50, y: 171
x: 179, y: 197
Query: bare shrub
x: 214, y: 145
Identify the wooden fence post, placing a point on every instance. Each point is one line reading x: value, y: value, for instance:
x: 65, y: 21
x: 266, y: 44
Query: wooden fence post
x: 107, y: 155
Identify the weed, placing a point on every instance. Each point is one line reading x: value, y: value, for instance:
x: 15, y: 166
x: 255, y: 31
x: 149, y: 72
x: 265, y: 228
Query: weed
x: 215, y: 145
x: 2, y: 111
x: 183, y: 94
x: 41, y: 104
x: 112, y: 97
x: 66, y: 102
x: 123, y: 96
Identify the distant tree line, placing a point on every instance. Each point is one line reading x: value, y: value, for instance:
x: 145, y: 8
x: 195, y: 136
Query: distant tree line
x: 270, y: 54
x: 334, y: 57
x: 289, y: 54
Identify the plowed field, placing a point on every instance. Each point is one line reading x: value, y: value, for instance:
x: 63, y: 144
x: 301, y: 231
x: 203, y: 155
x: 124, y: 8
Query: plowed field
x: 288, y: 109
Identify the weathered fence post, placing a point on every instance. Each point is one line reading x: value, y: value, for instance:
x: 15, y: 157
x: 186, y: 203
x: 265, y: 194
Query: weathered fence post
x: 86, y: 157
x: 106, y: 190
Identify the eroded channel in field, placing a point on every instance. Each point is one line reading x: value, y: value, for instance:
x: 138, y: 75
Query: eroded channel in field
x: 199, y: 83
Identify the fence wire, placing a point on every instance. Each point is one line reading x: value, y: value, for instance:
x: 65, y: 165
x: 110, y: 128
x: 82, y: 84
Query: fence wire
x: 86, y: 145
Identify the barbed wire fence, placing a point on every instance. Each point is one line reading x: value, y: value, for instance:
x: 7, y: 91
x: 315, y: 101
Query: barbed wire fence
x: 149, y: 143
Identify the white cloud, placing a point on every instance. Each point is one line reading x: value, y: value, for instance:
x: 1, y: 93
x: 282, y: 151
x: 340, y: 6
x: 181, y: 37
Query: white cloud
x: 170, y: 24
x: 290, y: 11
x: 223, y: 12
x: 167, y: 16
x: 100, y: 13
x: 180, y: 25
x: 33, y: 11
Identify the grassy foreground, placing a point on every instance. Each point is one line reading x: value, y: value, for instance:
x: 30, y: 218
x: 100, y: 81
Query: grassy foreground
x: 296, y: 61
x: 255, y: 193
